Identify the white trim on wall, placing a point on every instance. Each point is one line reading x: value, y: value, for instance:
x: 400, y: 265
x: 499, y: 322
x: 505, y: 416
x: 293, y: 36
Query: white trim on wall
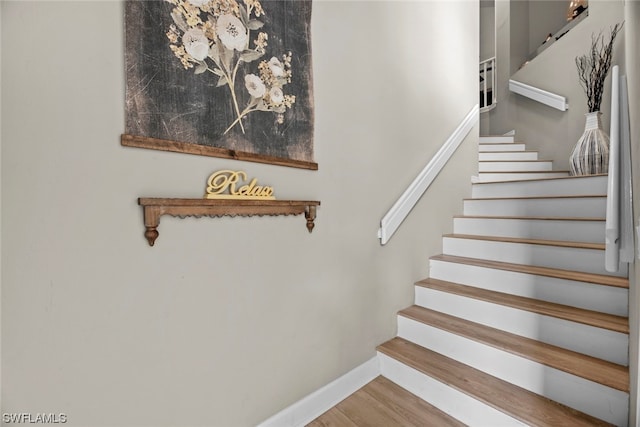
x: 399, y: 211
x: 556, y: 101
x: 312, y: 406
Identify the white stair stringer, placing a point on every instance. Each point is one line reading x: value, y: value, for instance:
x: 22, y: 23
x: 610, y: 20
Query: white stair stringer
x: 578, y: 230
x: 459, y: 405
x: 588, y: 296
x: 595, y: 399
x: 590, y: 340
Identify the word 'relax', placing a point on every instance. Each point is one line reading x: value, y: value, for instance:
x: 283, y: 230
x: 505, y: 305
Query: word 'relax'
x: 227, y: 184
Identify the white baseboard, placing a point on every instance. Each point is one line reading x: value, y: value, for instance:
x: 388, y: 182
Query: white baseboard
x: 312, y: 406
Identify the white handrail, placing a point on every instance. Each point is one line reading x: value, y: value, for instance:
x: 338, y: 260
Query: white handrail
x: 627, y: 247
x: 619, y: 220
x: 556, y: 101
x: 488, y: 67
x: 612, y: 230
x: 401, y: 208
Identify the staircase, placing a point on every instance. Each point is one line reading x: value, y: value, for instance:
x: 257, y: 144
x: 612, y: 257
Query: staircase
x: 519, y: 323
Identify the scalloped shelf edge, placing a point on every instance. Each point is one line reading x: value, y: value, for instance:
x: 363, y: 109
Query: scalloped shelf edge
x: 154, y: 208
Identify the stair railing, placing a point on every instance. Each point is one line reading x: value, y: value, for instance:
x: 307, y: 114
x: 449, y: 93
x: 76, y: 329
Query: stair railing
x: 619, y: 221
x: 401, y: 208
x: 487, y: 84
x: 556, y: 101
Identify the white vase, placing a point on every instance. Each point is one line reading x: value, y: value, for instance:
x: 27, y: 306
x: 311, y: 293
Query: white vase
x: 590, y: 156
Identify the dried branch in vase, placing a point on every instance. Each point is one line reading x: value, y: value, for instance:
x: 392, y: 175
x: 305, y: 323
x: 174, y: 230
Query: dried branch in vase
x: 594, y: 67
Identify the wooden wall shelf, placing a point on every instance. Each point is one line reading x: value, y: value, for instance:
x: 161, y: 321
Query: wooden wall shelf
x: 154, y: 208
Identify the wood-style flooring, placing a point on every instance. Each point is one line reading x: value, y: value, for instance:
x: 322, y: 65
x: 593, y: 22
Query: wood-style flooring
x: 381, y: 403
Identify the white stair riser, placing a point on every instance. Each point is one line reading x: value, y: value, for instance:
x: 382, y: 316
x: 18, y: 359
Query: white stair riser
x: 589, y: 296
x: 486, y: 148
x: 572, y: 231
x: 518, y: 176
x: 497, y: 139
x: 589, y: 397
x: 596, y: 342
x: 577, y: 207
x: 516, y: 155
x: 591, y: 186
x: 566, y: 258
x: 514, y: 166
x: 449, y: 400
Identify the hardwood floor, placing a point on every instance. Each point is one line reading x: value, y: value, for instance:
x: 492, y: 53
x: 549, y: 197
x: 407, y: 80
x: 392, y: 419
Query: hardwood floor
x: 381, y: 403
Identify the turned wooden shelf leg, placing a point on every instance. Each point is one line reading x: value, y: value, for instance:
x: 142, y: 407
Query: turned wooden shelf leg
x: 310, y: 214
x: 151, y: 222
x: 151, y: 234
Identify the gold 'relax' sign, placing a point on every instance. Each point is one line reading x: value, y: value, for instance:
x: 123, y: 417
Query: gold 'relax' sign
x: 227, y: 184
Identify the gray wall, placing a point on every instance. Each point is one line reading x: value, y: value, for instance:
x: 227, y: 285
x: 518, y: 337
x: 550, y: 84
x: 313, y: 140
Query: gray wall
x: 518, y: 34
x: 226, y: 320
x: 545, y: 16
x: 523, y: 25
x: 487, y: 29
x: 552, y: 132
x: 488, y: 121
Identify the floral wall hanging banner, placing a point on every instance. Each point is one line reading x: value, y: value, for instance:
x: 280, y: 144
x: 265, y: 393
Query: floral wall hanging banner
x: 223, y: 78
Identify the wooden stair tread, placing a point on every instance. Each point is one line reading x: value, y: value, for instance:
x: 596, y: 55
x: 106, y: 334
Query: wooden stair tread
x: 590, y: 368
x: 600, y: 279
x: 589, y: 196
x: 528, y: 407
x: 513, y: 161
x: 503, y: 144
x: 560, y: 311
x: 560, y: 243
x: 535, y: 218
x: 508, y: 151
x: 552, y: 171
x: 385, y: 404
x: 533, y: 180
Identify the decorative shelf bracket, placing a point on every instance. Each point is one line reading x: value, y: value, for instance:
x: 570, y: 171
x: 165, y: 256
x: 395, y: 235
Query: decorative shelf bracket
x: 154, y: 208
